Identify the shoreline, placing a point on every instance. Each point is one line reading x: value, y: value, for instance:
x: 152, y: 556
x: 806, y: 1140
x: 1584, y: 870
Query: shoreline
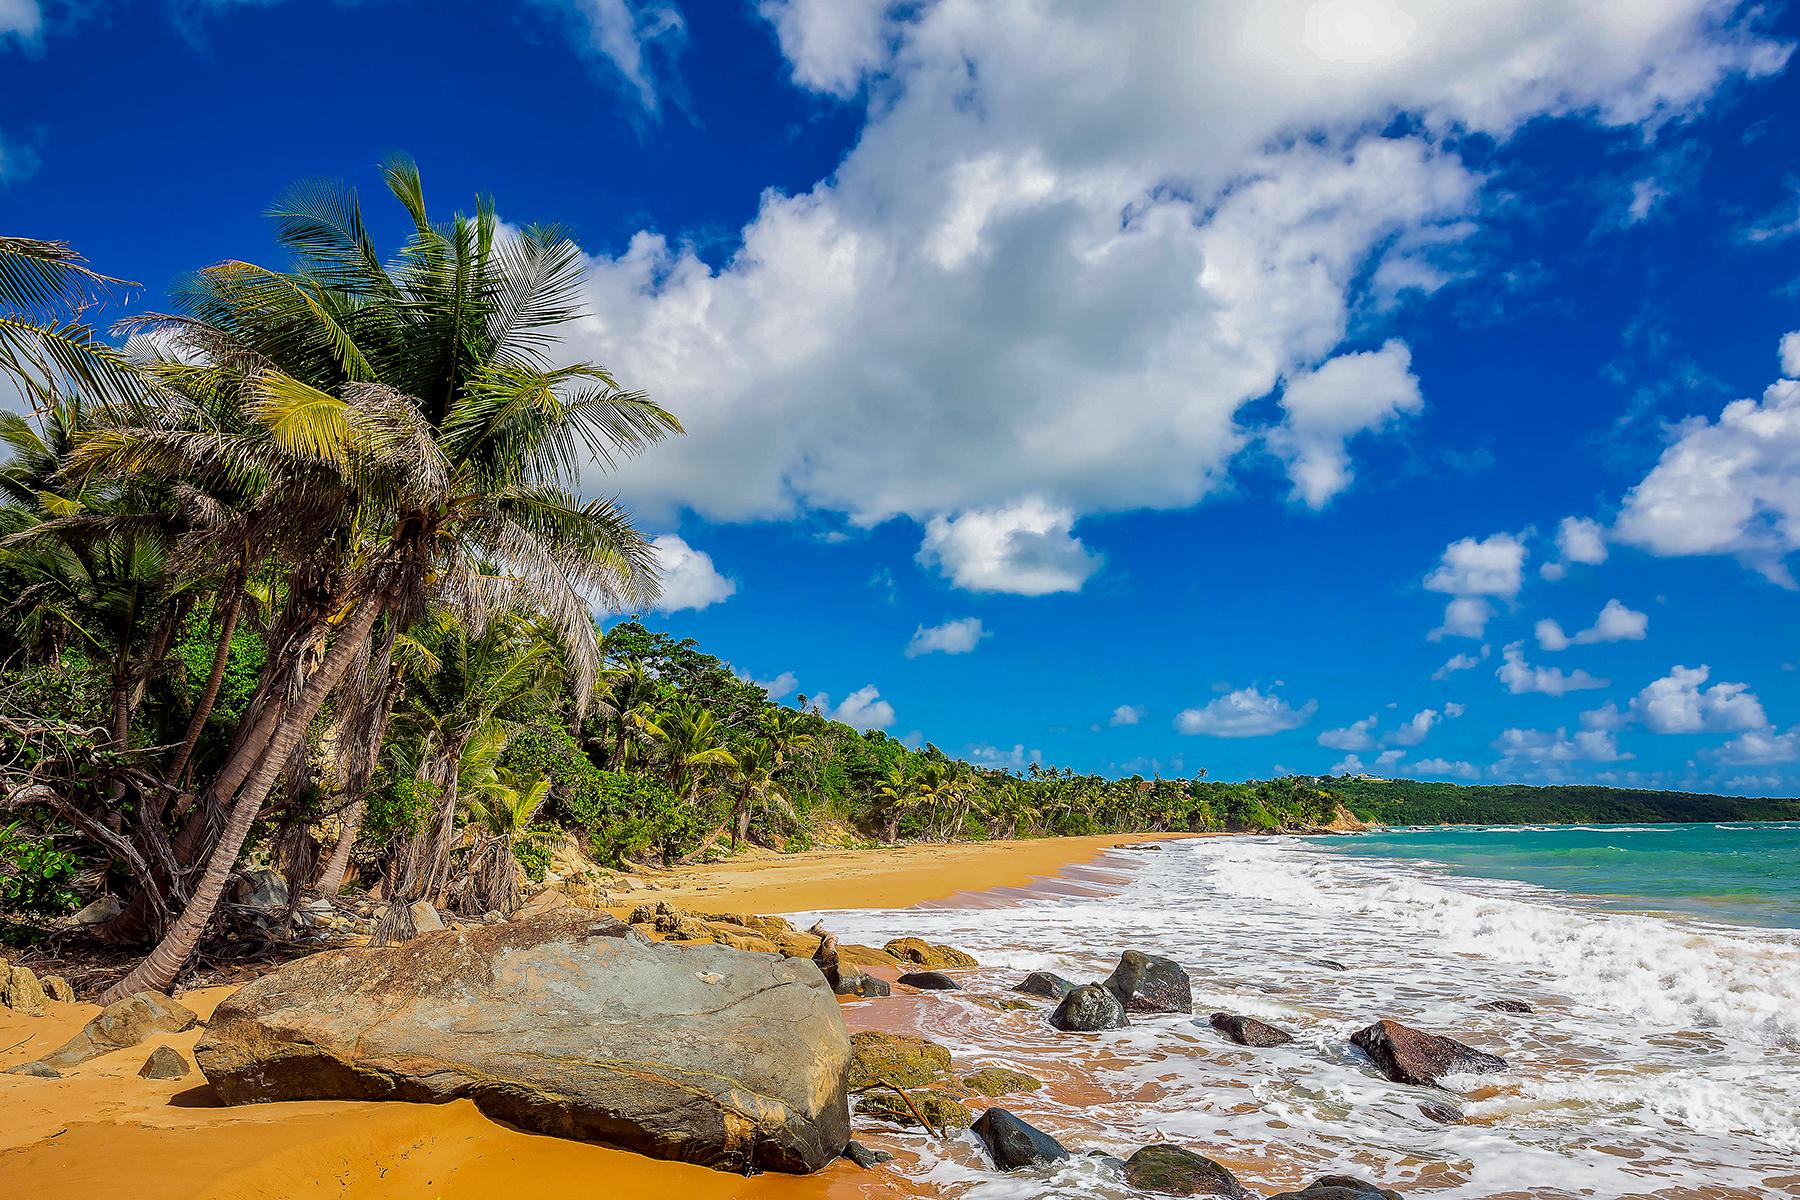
x: 66, y: 1137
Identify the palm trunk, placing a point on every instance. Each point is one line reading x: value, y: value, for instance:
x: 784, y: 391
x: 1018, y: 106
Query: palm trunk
x: 331, y: 880
x: 164, y: 963
x: 228, y: 619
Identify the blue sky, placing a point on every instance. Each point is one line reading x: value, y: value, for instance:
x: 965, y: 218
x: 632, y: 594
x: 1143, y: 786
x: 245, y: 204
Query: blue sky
x: 1163, y: 388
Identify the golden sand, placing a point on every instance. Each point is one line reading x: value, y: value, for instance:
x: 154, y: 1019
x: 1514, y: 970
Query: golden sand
x: 103, y: 1133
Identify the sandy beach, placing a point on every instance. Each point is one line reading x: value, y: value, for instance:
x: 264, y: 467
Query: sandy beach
x: 104, y: 1133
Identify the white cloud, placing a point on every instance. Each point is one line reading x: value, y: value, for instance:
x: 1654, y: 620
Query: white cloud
x: 1350, y: 394
x: 1127, y: 714
x: 1522, y: 678
x: 1359, y: 735
x: 1680, y: 702
x: 1422, y: 722
x: 1246, y: 712
x: 1726, y: 487
x: 1578, y: 540
x: 1027, y: 549
x: 1459, y: 662
x: 1790, y: 354
x: 1015, y: 759
x: 1067, y: 250
x: 862, y: 709
x: 21, y: 19
x: 1608, y: 716
x: 1440, y: 767
x: 1616, y: 623
x: 689, y: 579
x: 1489, y: 566
x: 1762, y: 746
x: 784, y: 684
x: 952, y: 637
x: 1539, y: 746
x: 635, y: 38
x: 1465, y: 616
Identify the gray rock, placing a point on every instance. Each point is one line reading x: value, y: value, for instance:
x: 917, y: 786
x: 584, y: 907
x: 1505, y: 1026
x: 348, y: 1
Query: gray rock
x: 261, y: 890
x: 1046, y: 984
x: 122, y: 1024
x: 1088, y: 1008
x: 866, y: 1157
x: 567, y: 1024
x: 1248, y: 1031
x: 1408, y: 1055
x: 425, y: 918
x: 40, y: 1070
x: 1505, y: 1006
x: 165, y: 1062
x: 97, y: 911
x: 1150, y: 983
x: 1012, y: 1143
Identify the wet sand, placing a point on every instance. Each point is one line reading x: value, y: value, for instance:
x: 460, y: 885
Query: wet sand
x: 103, y: 1133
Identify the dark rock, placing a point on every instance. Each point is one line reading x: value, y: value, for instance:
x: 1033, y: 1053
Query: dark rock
x: 165, y: 1062
x: 859, y: 984
x: 922, y: 953
x: 1001, y: 1081
x: 567, y: 1024
x: 897, y: 1058
x: 39, y: 1070
x: 1339, y: 1187
x: 1330, y: 964
x: 1088, y: 1008
x: 1150, y: 983
x: 1173, y: 1171
x: 1408, y: 1055
x: 866, y: 1157
x: 1443, y: 1114
x: 121, y: 1024
x: 1111, y: 1160
x: 1505, y: 1006
x: 1013, y: 1144
x: 930, y: 981
x: 943, y: 1110
x: 1043, y: 983
x: 1248, y: 1031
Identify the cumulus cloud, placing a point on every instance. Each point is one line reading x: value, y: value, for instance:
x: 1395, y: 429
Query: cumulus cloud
x: 1465, y: 616
x: 862, y: 709
x: 1066, y: 250
x: 1349, y: 395
x: 1616, y: 623
x: 1790, y: 355
x: 1359, y: 735
x: 1127, y: 714
x: 784, y: 684
x: 1578, y: 540
x: 1443, y: 767
x: 1680, y: 702
x: 689, y: 579
x: 1459, y: 662
x: 1762, y: 746
x: 1489, y: 566
x: 1549, y: 747
x: 1244, y: 713
x: 1015, y: 759
x: 20, y: 19
x: 952, y: 637
x: 1027, y: 549
x: 636, y: 39
x: 1420, y: 725
x: 1521, y: 678
x: 1730, y: 486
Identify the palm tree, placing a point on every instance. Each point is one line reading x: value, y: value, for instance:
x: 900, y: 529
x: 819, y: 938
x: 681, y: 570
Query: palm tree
x: 420, y: 394
x: 46, y: 289
x: 499, y: 808
x: 755, y: 763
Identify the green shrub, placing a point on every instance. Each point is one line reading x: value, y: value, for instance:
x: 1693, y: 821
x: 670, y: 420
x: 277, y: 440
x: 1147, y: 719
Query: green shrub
x: 35, y: 876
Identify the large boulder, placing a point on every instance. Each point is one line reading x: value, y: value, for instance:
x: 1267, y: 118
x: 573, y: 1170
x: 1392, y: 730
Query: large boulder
x: 1012, y: 1143
x: 1339, y: 1187
x: 897, y: 1058
x: 1088, y: 1008
x: 1408, y: 1055
x: 922, y: 953
x: 1174, y: 1171
x: 1248, y: 1031
x: 567, y: 1024
x: 121, y: 1024
x: 1150, y: 983
x: 1045, y: 983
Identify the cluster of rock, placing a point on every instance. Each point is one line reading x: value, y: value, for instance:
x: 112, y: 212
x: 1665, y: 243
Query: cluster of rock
x: 120, y: 1026
x: 23, y: 990
x: 901, y: 1078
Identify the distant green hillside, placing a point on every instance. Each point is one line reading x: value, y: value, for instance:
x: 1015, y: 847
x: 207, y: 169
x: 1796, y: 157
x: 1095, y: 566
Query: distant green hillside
x: 1407, y: 802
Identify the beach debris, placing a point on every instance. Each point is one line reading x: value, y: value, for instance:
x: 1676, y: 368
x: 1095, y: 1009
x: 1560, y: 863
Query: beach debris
x: 1001, y: 1081
x: 40, y: 1070
x: 1408, y: 1055
x: 861, y: 984
x: 165, y: 1062
x: 866, y: 1157
x: 936, y: 1111
x: 120, y: 1025
x: 826, y: 956
x: 1150, y: 983
x: 922, y: 953
x: 566, y: 1024
x: 1176, y: 1171
x: 57, y: 988
x: 930, y: 981
x: 1339, y: 1187
x: 1046, y: 984
x: 898, y: 1058
x: 1012, y: 1143
x: 20, y: 990
x: 1248, y: 1031
x: 1088, y: 1008
x: 1506, y: 1005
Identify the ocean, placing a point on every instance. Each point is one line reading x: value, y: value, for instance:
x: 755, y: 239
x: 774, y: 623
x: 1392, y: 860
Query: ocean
x: 1662, y: 1058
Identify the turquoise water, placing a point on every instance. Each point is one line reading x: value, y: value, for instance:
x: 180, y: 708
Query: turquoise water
x: 1746, y: 872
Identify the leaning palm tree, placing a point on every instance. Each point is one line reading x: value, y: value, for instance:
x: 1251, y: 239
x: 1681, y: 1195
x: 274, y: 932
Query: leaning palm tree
x: 499, y: 809
x: 418, y: 395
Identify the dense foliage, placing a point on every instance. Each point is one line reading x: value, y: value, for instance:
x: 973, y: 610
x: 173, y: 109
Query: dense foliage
x: 1408, y: 802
